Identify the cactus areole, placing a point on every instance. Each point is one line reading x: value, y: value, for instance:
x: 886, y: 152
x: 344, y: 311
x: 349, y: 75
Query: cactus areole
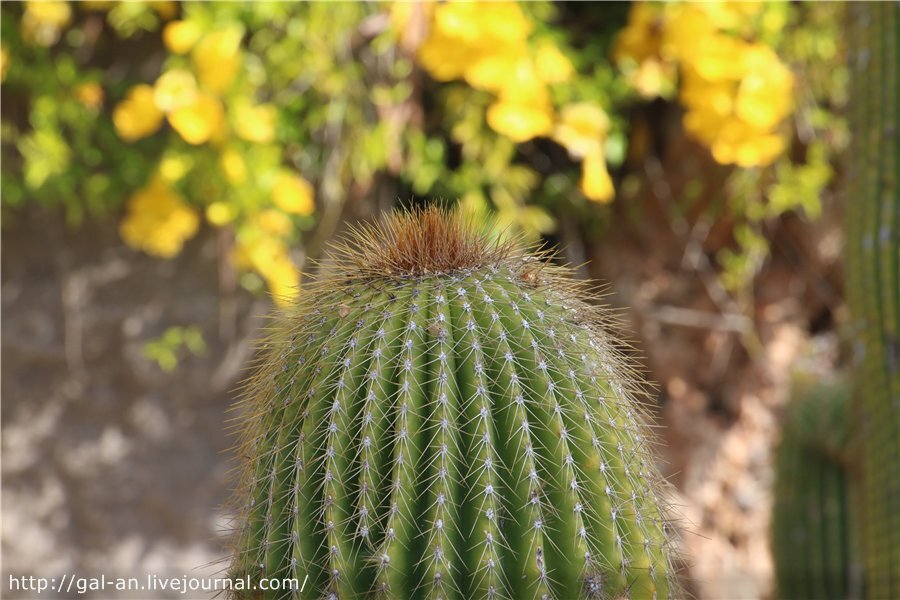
x: 446, y: 417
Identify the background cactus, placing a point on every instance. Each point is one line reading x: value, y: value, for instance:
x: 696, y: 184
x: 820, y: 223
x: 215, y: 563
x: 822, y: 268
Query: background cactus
x: 873, y: 280
x: 814, y: 538
x: 446, y: 417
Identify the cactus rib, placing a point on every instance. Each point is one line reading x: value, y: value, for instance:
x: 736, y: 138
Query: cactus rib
x: 873, y: 281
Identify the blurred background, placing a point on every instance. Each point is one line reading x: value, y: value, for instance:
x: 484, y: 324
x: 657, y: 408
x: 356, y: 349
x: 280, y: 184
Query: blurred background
x: 170, y: 170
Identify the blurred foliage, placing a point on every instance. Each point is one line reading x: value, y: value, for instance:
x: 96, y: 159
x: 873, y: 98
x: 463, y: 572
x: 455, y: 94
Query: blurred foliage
x: 762, y: 84
x: 175, y: 342
x: 265, y: 119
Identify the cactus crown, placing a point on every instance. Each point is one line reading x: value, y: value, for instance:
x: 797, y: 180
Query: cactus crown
x: 445, y: 417
x: 421, y: 241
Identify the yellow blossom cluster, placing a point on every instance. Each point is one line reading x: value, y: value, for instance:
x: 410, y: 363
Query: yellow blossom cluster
x: 261, y: 246
x: 269, y: 256
x: 292, y: 194
x: 159, y: 221
x: 137, y: 116
x: 190, y: 99
x: 42, y: 22
x: 489, y: 45
x: 638, y: 52
x: 582, y: 130
x: 199, y: 97
x: 486, y: 44
x: 736, y: 91
x: 262, y: 236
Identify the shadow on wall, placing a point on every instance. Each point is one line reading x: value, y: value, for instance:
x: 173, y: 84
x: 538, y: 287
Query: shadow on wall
x: 111, y: 466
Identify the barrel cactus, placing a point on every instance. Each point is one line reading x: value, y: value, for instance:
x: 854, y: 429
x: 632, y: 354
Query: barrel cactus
x: 873, y: 280
x: 446, y: 417
x: 814, y: 538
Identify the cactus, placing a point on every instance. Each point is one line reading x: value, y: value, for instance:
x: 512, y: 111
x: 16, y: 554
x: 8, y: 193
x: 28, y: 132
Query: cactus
x: 873, y: 280
x: 814, y: 543
x: 447, y: 417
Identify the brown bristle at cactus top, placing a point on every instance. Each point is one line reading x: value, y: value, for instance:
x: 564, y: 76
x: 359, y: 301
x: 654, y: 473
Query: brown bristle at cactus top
x: 419, y: 241
x: 442, y: 416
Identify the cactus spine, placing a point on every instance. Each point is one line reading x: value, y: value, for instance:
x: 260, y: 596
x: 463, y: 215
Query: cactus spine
x: 447, y: 418
x: 814, y: 543
x: 873, y: 280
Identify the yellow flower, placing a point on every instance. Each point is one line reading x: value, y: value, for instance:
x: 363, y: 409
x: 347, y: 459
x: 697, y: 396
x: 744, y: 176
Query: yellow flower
x: 552, y: 65
x: 511, y: 73
x: 745, y: 146
x: 137, y: 116
x: 687, y: 28
x: 720, y: 58
x: 466, y: 33
x: 735, y: 92
x: 173, y: 167
x: 764, y: 95
x: 523, y: 109
x: 715, y: 98
x: 482, y: 22
x: 485, y: 43
x: 501, y: 21
x: 736, y: 118
x: 496, y: 70
x: 255, y: 123
x: 522, y: 84
x: 703, y: 126
x: 653, y: 78
x: 49, y: 13
x: 596, y: 184
x: 640, y: 39
x: 42, y: 22
x: 283, y: 279
x: 406, y: 19
x: 444, y: 58
x: 581, y: 129
x: 638, y: 52
x: 520, y: 121
x: 180, y: 36
x: 274, y: 222
x: 4, y: 62
x: 158, y: 221
x: 293, y: 194
x: 270, y: 257
x: 774, y: 18
x: 233, y: 166
x: 90, y: 95
x: 220, y: 214
x: 199, y: 121
x: 217, y: 58
x: 732, y: 15
x: 175, y: 89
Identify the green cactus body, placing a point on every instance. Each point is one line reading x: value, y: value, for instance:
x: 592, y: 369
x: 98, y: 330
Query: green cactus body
x: 873, y: 280
x: 814, y: 543
x: 448, y: 419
